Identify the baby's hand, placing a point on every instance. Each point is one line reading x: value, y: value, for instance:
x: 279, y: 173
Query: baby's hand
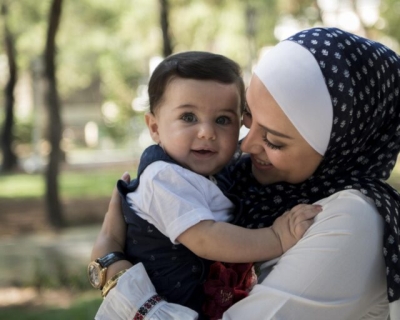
x: 292, y: 225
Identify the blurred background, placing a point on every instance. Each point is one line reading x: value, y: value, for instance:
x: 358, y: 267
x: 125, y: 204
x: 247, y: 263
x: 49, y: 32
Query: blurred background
x: 73, y: 78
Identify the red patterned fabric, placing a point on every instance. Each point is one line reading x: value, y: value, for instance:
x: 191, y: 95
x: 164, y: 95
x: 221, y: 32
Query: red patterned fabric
x: 227, y: 283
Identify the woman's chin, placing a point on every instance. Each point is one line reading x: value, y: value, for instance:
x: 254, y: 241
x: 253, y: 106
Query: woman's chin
x: 262, y: 176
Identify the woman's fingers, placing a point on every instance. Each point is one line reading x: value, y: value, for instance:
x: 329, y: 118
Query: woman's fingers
x: 126, y: 177
x: 115, y: 200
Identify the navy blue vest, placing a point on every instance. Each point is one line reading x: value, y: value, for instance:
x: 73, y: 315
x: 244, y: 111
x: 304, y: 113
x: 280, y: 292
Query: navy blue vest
x: 176, y: 272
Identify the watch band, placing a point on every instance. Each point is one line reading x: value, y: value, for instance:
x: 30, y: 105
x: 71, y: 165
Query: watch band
x: 111, y: 283
x: 110, y: 258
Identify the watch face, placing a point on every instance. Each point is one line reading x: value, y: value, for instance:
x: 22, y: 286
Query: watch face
x: 95, y: 274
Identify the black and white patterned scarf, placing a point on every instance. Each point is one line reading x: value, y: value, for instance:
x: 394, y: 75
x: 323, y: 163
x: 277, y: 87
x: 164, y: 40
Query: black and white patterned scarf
x: 363, y: 79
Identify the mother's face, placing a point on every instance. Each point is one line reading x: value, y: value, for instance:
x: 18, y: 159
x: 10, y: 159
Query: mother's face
x: 278, y: 151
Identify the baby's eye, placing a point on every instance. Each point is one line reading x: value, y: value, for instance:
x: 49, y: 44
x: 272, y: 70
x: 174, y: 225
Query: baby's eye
x: 188, y: 117
x: 223, y: 120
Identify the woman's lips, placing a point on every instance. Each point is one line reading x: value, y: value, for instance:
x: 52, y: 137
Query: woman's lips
x: 261, y: 165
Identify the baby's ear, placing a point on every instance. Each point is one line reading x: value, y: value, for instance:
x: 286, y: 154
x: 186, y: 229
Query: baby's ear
x: 152, y: 124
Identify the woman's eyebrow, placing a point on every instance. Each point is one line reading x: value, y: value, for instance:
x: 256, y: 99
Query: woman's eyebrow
x: 275, y: 133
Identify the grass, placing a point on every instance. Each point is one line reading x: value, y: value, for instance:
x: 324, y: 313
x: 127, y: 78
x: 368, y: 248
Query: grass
x: 73, y: 184
x: 82, y: 308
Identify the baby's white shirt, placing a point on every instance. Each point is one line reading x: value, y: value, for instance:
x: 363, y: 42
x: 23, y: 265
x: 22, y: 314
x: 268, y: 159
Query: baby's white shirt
x: 174, y: 199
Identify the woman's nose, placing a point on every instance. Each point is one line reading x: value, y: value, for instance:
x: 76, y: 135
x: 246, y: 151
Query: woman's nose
x: 207, y: 131
x: 250, y: 143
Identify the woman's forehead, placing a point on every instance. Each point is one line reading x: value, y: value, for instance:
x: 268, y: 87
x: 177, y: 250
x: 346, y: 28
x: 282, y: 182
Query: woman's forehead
x: 266, y: 112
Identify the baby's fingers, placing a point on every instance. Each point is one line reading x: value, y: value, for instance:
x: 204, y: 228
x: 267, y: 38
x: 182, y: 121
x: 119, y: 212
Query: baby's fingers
x: 302, y: 227
x: 305, y: 212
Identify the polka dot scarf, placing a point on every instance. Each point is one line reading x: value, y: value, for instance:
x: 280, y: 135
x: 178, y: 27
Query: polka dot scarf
x: 363, y: 79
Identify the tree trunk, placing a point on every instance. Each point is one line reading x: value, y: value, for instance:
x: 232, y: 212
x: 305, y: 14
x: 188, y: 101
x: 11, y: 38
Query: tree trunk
x: 164, y: 10
x: 9, y: 157
x: 250, y: 18
x: 53, y: 204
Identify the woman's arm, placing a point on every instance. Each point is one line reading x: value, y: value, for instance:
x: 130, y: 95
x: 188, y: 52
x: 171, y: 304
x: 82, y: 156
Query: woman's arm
x: 134, y: 288
x: 336, y: 271
x: 112, y: 234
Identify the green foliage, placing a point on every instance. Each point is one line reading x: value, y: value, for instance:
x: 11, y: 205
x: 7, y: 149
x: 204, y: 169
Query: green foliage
x: 28, y: 21
x: 112, y: 42
x: 390, y: 12
x: 23, y: 131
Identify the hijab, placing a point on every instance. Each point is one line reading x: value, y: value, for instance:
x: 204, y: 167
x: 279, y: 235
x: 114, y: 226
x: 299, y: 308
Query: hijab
x: 359, y: 141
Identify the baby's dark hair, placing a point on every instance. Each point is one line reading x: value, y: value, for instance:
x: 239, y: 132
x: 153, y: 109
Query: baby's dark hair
x: 197, y: 65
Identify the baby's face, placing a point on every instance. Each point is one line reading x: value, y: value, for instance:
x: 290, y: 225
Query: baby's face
x: 197, y: 123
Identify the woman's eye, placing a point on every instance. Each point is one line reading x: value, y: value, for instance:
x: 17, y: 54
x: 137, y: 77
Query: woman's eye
x: 271, y: 145
x: 223, y: 120
x: 189, y: 117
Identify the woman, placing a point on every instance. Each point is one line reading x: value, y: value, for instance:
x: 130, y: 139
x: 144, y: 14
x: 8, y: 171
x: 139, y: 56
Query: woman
x: 323, y: 112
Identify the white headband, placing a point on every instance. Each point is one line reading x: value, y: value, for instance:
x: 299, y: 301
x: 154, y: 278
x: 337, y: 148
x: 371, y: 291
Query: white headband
x: 293, y: 77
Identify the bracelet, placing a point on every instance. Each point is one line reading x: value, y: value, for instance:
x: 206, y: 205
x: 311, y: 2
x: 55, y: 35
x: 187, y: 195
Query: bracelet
x: 111, y: 283
x: 147, y: 306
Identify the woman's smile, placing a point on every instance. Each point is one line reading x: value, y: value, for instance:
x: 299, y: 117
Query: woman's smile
x: 261, y: 165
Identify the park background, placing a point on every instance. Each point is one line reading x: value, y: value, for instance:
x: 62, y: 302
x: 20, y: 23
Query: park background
x: 73, y: 78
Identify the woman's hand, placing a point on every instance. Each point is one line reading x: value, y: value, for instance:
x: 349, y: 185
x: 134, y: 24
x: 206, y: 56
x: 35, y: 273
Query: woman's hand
x: 291, y: 226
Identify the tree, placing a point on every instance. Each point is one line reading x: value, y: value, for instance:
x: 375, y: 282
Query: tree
x: 390, y: 10
x: 54, y: 208
x: 164, y: 10
x: 9, y: 157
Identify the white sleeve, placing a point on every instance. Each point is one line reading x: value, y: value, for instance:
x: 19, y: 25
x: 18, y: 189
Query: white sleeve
x: 174, y: 199
x: 134, y: 297
x: 336, y: 271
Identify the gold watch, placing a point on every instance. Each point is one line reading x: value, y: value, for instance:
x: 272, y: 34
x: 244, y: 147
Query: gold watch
x: 97, y: 269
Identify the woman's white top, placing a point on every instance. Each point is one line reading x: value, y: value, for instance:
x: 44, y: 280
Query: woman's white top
x: 174, y: 199
x: 335, y: 272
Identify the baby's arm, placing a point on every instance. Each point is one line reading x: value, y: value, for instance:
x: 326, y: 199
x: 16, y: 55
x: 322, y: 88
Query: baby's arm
x: 225, y: 242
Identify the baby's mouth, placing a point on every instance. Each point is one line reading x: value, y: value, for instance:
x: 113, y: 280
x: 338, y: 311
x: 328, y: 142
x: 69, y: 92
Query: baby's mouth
x: 203, y: 152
